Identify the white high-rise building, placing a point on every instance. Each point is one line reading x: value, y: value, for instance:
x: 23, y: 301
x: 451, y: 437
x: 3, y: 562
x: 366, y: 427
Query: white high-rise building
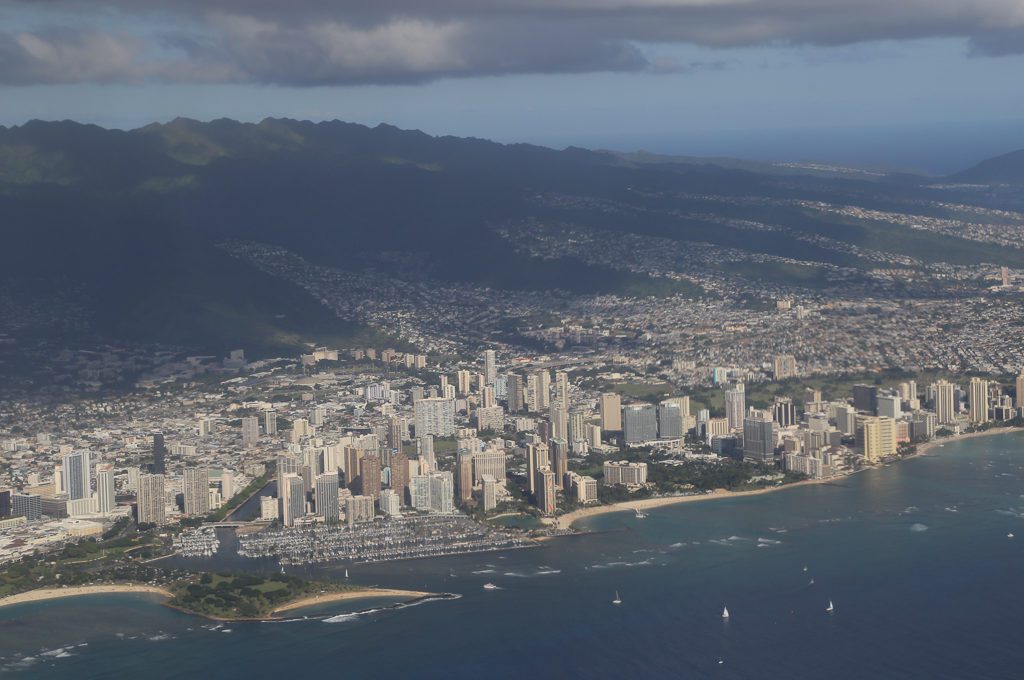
x: 105, y: 494
x: 151, y: 499
x: 435, y: 416
x: 270, y: 422
x: 559, y: 416
x: 735, y: 406
x: 945, y: 406
x: 979, y: 400
x: 434, y: 492
x: 425, y: 449
x: 196, y: 491
x: 293, y: 498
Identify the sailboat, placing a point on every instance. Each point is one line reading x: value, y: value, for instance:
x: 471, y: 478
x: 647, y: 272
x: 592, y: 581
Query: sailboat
x: 811, y: 583
x: 346, y: 573
x: 830, y: 608
x: 725, y: 613
x: 617, y: 599
x: 640, y: 514
x: 805, y: 567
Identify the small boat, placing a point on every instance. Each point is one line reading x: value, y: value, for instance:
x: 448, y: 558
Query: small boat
x: 346, y: 573
x: 1009, y: 535
x: 811, y: 583
x: 805, y: 567
x: 490, y: 586
x: 725, y: 613
x: 830, y: 608
x: 640, y: 514
x: 617, y: 600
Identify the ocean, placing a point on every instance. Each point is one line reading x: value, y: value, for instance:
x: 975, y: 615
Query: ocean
x: 915, y: 556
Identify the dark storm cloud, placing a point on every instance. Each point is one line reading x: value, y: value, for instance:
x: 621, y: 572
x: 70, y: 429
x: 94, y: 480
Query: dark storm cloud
x: 320, y: 42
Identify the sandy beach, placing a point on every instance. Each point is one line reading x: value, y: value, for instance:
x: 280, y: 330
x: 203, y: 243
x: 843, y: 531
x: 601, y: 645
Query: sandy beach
x: 75, y: 591
x: 348, y: 595
x: 565, y: 521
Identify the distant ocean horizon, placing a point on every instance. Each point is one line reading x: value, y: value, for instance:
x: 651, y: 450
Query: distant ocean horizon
x: 931, y: 148
x: 916, y: 557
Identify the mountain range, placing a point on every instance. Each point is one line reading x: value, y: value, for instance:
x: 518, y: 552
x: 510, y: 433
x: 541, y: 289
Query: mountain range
x: 128, y: 226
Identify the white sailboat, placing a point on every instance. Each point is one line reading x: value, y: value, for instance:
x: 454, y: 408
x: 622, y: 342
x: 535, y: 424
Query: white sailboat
x: 640, y: 514
x: 617, y: 599
x: 346, y: 573
x: 725, y: 613
x: 830, y: 608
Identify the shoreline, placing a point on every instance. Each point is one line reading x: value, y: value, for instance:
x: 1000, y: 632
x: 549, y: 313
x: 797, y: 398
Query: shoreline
x: 567, y: 520
x: 44, y: 594
x: 47, y: 594
x: 341, y: 596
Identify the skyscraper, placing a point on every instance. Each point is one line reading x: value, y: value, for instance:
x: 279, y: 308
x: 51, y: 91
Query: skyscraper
x: 536, y: 458
x: 784, y: 411
x: 75, y: 471
x: 945, y: 404
x: 151, y: 499
x: 611, y: 413
x: 196, y: 491
x: 758, y: 436
x: 270, y: 422
x: 783, y: 366
x: 105, y: 499
x: 865, y: 398
x: 577, y: 426
x: 464, y: 477
x: 559, y: 460
x: 490, y: 367
x: 293, y: 499
x: 400, y: 476
x: 670, y: 421
x: 978, y: 400
x: 326, y: 498
x: 545, y: 490
x: 538, y: 391
x: 250, y: 431
x: 876, y: 437
x: 435, y: 416
x: 559, y: 416
x: 425, y: 449
x: 640, y: 423
x: 369, y: 475
x: 735, y: 406
x: 514, y: 392
x: 562, y: 388
x: 1020, y: 389
x: 159, y: 454
x: 490, y: 463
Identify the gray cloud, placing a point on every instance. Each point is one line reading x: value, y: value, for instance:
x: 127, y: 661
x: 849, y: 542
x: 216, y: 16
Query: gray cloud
x: 337, y: 42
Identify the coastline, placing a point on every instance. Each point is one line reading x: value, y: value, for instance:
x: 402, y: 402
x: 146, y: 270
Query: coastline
x: 43, y: 594
x: 362, y: 593
x: 567, y: 520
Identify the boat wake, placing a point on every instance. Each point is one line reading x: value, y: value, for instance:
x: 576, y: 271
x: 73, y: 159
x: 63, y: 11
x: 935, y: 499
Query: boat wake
x: 351, y: 616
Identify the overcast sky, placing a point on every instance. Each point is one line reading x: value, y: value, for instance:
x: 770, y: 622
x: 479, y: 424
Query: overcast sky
x: 699, y: 76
